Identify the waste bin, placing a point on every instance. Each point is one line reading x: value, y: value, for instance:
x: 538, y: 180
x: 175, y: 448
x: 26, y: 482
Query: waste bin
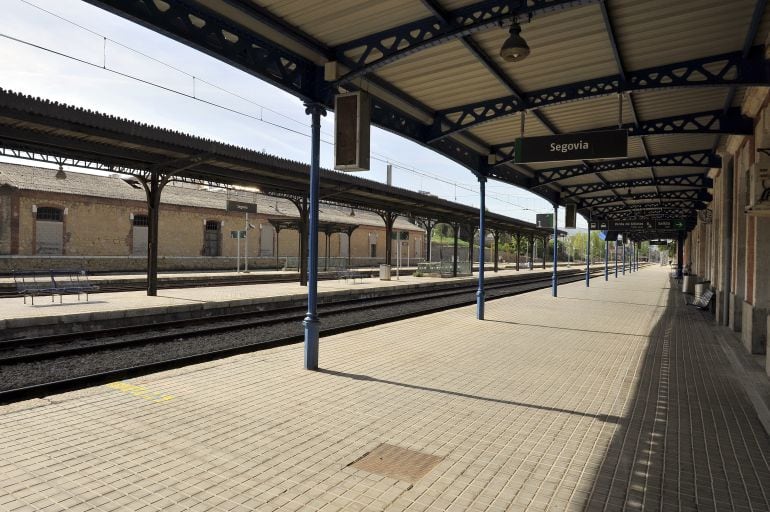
x: 688, y: 283
x: 384, y: 272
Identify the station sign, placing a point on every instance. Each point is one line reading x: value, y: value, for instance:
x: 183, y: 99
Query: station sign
x: 238, y: 234
x: 658, y: 242
x: 638, y: 225
x: 544, y: 220
x: 237, y: 206
x: 572, y: 146
x: 399, y: 235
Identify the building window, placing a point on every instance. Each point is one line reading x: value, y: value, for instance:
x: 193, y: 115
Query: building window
x: 211, y: 238
x: 140, y: 234
x: 50, y: 214
x: 49, y: 231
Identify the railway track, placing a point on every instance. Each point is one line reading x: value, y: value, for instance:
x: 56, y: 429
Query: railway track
x: 77, y: 353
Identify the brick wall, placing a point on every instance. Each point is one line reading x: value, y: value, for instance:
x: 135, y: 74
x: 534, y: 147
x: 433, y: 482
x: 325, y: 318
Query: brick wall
x: 99, y: 231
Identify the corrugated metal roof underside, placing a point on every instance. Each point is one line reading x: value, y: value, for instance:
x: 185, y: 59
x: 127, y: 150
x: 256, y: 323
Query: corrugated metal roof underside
x: 570, y: 45
x: 655, y: 32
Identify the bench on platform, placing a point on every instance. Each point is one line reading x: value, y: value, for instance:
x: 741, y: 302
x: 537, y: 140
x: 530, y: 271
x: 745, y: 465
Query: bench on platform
x: 351, y: 274
x: 52, y: 282
x: 701, y: 302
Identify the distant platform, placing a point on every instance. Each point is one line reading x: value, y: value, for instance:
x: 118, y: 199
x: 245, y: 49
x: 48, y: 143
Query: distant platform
x: 104, y: 310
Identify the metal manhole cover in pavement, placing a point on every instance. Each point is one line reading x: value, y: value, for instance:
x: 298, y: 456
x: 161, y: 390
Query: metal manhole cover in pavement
x: 399, y: 463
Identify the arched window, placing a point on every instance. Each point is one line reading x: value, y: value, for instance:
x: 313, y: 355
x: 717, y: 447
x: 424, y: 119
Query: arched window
x: 139, y: 235
x: 211, y: 238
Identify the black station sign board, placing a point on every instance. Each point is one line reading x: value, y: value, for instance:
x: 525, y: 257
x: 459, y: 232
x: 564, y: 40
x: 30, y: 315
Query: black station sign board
x: 544, y: 220
x: 236, y: 206
x: 572, y: 146
x: 637, y: 225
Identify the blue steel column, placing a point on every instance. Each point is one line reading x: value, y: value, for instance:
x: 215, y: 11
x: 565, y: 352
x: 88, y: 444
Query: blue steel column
x: 311, y: 319
x: 482, y: 215
x: 616, y: 259
x: 606, y: 260
x: 588, y: 259
x: 679, y: 255
x: 554, y: 279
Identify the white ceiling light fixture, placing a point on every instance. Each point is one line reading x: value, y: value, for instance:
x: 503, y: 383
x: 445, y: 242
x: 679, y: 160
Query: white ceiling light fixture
x: 515, y: 48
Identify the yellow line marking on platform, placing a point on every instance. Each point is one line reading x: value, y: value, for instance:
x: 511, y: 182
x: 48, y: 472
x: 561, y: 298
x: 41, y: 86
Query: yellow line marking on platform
x: 140, y: 391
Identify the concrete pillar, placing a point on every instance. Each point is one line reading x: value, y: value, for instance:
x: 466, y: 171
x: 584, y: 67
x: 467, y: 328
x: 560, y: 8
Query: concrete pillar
x: 738, y: 288
x: 726, y: 224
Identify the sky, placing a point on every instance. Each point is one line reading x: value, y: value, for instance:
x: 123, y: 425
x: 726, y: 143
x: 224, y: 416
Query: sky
x: 110, y: 65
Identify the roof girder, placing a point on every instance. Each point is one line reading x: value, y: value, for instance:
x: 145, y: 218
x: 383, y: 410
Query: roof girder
x: 647, y: 209
x: 717, y: 70
x: 695, y: 181
x: 732, y: 122
x: 398, y: 42
x: 700, y: 158
x: 679, y: 195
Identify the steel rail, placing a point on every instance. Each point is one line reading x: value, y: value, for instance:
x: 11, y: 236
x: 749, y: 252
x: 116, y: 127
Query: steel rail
x: 44, y: 389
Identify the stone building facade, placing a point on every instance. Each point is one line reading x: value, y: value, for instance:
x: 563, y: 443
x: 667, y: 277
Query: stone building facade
x: 100, y: 223
x: 730, y: 245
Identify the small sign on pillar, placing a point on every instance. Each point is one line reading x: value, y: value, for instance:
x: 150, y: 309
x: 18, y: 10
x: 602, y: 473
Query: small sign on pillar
x: 352, y: 117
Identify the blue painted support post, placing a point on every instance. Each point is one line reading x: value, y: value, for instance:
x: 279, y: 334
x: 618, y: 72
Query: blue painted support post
x: 588, y: 259
x: 616, y: 259
x: 554, y: 279
x: 606, y: 260
x: 680, y: 255
x: 311, y: 319
x: 624, y: 257
x: 480, y: 292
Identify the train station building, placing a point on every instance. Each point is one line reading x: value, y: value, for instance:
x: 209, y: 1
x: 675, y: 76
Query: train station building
x: 100, y: 223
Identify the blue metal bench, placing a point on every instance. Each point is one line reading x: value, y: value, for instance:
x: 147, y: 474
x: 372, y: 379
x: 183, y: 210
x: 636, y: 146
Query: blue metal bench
x: 52, y: 282
x: 702, y: 302
x: 351, y: 274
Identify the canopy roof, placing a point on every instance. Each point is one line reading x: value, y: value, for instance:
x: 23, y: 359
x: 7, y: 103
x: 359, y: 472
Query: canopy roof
x: 42, y: 130
x: 680, y: 69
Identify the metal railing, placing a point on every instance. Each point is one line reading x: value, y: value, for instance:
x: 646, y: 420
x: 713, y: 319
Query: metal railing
x: 444, y: 268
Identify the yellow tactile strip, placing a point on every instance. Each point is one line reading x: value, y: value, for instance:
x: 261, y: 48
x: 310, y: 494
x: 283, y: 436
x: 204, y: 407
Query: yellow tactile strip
x: 398, y: 463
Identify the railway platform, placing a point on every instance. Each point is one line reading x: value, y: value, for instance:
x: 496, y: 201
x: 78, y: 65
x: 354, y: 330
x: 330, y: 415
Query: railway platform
x: 613, y: 397
x: 105, y: 310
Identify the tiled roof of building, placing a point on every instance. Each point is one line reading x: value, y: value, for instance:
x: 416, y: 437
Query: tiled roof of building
x: 39, y: 179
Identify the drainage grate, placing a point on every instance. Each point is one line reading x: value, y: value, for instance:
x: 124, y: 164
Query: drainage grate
x: 395, y: 462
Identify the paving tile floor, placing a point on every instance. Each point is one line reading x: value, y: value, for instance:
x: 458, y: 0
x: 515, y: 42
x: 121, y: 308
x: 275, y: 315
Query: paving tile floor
x: 615, y: 397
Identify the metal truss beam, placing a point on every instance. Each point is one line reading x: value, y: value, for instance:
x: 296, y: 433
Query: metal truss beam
x: 195, y: 25
x: 703, y: 158
x: 683, y: 196
x: 369, y: 53
x: 718, y: 70
x: 715, y: 122
x: 694, y: 181
x: 664, y: 207
x: 31, y: 153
